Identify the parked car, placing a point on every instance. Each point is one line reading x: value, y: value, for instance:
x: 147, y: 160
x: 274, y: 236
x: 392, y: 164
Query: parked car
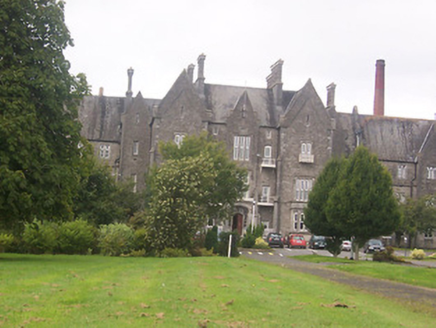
x: 295, y: 241
x: 346, y: 246
x: 274, y: 239
x: 317, y: 242
x: 373, y: 245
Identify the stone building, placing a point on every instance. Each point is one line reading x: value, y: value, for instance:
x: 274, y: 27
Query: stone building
x: 283, y: 138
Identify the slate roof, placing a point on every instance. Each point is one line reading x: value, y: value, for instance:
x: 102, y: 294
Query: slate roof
x: 222, y: 99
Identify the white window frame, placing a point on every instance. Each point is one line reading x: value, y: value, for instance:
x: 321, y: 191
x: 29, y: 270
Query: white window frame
x: 135, y: 148
x: 401, y: 172
x: 431, y: 173
x: 105, y: 151
x: 302, y: 225
x: 295, y: 221
x: 265, y: 194
x: 306, y: 148
x: 135, y: 181
x: 241, y: 148
x: 302, y: 189
x: 267, y: 152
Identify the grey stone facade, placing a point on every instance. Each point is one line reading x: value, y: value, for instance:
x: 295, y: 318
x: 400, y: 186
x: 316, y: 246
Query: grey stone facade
x: 283, y: 138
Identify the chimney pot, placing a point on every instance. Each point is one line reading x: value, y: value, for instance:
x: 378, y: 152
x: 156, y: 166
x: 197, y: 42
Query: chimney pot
x: 129, y: 92
x: 100, y: 93
x: 331, y: 95
x: 379, y: 94
x: 200, y: 77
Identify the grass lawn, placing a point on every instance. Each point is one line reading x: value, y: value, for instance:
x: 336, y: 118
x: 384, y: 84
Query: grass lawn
x: 96, y: 291
x: 413, y: 275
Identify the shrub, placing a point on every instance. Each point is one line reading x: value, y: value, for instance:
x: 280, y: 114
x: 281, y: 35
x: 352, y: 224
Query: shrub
x: 260, y: 243
x: 432, y: 256
x: 174, y: 252
x: 418, y: 254
x: 6, y: 240
x: 40, y: 237
x: 115, y: 239
x: 138, y: 253
x: 248, y: 241
x: 224, y: 244
x: 386, y: 256
x: 211, y: 241
x: 139, y: 239
x: 76, y: 237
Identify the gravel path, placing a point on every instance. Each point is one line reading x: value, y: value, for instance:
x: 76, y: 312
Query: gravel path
x: 381, y: 287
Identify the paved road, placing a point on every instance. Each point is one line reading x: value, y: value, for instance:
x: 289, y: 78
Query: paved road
x: 385, y: 288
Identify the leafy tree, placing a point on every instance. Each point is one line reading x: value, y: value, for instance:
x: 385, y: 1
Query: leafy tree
x: 362, y: 203
x: 180, y: 191
x: 101, y: 200
x: 417, y: 216
x: 40, y: 161
x: 228, y: 183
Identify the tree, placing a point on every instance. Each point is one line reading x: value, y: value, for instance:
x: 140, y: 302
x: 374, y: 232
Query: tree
x: 229, y: 182
x: 315, y: 213
x: 101, y: 200
x: 40, y: 157
x: 417, y: 216
x: 362, y: 203
x: 180, y: 190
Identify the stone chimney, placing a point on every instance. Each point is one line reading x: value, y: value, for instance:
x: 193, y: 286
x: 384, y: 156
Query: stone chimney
x: 129, y: 92
x: 200, y: 76
x: 379, y: 95
x: 100, y: 93
x: 331, y: 95
x: 274, y: 82
x: 191, y: 72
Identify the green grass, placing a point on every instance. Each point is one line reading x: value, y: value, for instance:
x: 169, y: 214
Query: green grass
x: 413, y: 275
x: 96, y: 291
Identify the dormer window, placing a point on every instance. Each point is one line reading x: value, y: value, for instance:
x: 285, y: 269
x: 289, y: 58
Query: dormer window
x: 431, y: 173
x: 241, y: 148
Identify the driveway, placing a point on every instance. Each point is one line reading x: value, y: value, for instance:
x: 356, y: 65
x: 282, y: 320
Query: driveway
x: 400, y: 291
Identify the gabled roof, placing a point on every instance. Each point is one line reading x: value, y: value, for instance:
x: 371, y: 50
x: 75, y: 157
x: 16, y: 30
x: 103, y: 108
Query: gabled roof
x: 222, y: 99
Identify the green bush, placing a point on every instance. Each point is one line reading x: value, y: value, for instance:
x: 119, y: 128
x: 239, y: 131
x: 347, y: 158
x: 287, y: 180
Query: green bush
x: 386, y: 256
x: 248, y: 241
x: 138, y: 253
x: 418, y: 254
x: 76, y: 237
x: 223, y: 244
x: 432, y: 256
x: 6, y: 241
x: 139, y: 239
x: 211, y: 241
x: 40, y: 237
x: 115, y: 239
x: 174, y: 252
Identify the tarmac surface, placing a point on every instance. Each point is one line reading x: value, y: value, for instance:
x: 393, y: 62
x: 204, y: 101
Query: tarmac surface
x: 402, y: 292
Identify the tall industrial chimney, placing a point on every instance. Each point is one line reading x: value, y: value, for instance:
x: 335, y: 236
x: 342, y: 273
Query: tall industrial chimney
x: 379, y: 94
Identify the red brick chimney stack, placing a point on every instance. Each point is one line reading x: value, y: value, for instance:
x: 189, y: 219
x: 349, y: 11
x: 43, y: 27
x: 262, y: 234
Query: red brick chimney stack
x: 379, y: 95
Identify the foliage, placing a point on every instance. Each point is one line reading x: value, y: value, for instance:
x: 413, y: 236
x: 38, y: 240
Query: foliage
x: 248, y: 241
x: 76, y: 237
x: 386, y: 256
x: 40, y: 237
x: 115, y: 239
x: 138, y: 253
x: 174, y: 252
x: 251, y: 234
x: 101, y: 200
x: 228, y: 178
x: 211, y: 242
x: 40, y: 161
x: 223, y: 245
x: 418, y: 254
x: 139, y: 239
x: 362, y: 203
x: 180, y: 191
x: 6, y: 241
x: 333, y: 245
x: 260, y: 243
x: 417, y: 216
x: 432, y: 256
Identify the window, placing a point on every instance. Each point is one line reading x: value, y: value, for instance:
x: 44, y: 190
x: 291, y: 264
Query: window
x: 401, y: 174
x: 105, y: 151
x: 302, y: 227
x: 431, y: 173
x: 137, y: 118
x: 267, y: 152
x: 135, y: 147
x: 241, y: 148
x: 302, y: 189
x: 247, y: 183
x: 178, y: 139
x: 215, y: 130
x: 296, y: 221
x: 428, y: 234
x: 135, y: 180
x: 265, y: 194
x: 306, y: 148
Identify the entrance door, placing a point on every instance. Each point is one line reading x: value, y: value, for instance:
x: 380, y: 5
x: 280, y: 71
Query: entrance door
x: 237, y: 223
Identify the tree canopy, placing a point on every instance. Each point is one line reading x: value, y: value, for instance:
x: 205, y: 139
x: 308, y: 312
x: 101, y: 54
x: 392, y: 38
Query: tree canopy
x: 356, y: 201
x: 40, y: 156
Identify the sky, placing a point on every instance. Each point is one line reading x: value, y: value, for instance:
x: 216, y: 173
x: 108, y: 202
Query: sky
x: 326, y: 41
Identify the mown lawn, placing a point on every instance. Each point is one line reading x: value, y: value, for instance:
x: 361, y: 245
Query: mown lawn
x: 413, y: 275
x: 96, y: 291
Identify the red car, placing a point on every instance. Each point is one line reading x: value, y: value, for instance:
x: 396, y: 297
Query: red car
x: 296, y: 241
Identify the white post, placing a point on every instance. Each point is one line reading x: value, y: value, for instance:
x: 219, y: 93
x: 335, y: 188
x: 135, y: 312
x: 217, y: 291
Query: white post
x: 230, y: 246
x: 254, y: 214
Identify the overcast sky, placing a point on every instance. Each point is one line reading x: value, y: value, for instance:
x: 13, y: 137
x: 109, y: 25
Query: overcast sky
x: 327, y: 41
